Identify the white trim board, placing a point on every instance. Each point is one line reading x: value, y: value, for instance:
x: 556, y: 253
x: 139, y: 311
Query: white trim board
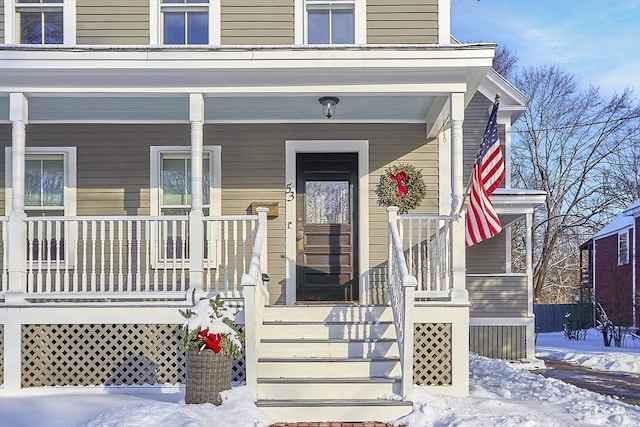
x: 314, y: 146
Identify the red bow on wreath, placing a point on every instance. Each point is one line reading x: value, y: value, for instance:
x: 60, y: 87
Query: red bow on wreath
x: 211, y: 341
x: 400, y: 178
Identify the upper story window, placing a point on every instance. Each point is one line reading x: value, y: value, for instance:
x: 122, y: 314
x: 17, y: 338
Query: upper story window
x: 185, y: 21
x: 623, y: 247
x: 330, y: 22
x: 39, y: 21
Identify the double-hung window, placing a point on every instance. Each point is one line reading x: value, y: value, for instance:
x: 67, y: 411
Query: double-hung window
x: 330, y: 21
x: 623, y: 247
x: 171, y: 195
x: 49, y: 191
x: 39, y: 21
x: 185, y: 21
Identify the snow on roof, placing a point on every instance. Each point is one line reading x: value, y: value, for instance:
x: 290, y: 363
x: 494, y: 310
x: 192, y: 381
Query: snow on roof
x: 633, y: 209
x: 618, y: 223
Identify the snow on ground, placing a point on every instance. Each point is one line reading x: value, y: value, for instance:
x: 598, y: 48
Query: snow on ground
x: 500, y: 395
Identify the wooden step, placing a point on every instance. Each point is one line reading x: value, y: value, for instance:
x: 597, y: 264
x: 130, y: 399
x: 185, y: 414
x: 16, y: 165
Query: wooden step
x: 345, y: 410
x: 327, y: 388
x: 328, y: 313
x: 293, y: 348
x: 328, y: 329
x: 327, y: 367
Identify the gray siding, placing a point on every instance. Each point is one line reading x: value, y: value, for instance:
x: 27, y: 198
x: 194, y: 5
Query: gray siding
x: 257, y: 22
x: 499, y: 342
x: 402, y: 21
x: 497, y: 296
x: 488, y: 256
x: 117, y: 22
x: 113, y: 169
x: 5, y: 141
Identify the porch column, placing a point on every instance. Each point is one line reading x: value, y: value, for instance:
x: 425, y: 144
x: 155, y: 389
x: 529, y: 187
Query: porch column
x: 528, y: 244
x: 196, y: 227
x: 458, y: 265
x: 17, y: 228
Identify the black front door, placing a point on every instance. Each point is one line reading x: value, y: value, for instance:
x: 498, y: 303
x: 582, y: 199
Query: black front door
x: 326, y: 227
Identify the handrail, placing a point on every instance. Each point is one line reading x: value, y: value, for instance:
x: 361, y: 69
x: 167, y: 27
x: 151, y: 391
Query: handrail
x: 256, y: 297
x: 401, y: 295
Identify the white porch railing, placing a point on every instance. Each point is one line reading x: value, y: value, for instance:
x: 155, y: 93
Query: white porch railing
x: 256, y: 297
x: 4, y: 222
x: 129, y: 257
x: 426, y: 241
x: 401, y: 295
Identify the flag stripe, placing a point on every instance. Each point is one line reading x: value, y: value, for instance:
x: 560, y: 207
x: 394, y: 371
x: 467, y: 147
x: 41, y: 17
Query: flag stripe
x: 482, y: 222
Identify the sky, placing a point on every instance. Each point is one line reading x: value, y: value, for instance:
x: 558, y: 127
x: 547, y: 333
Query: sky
x: 501, y: 394
x: 598, y: 41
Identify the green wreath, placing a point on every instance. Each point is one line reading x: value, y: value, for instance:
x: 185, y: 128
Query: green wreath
x: 401, y: 185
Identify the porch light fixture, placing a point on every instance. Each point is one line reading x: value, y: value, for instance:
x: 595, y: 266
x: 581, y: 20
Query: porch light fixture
x: 328, y: 105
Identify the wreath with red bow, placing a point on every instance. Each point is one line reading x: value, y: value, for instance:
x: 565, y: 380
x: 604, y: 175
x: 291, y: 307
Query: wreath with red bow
x: 401, y: 185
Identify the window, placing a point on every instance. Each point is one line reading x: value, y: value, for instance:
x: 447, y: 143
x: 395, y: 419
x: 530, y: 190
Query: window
x: 171, y: 194
x: 330, y: 22
x: 623, y: 247
x: 185, y: 21
x: 39, y: 21
x: 49, y: 190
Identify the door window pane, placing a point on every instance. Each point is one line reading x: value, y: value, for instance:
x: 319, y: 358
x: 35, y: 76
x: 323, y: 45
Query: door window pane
x: 327, y: 202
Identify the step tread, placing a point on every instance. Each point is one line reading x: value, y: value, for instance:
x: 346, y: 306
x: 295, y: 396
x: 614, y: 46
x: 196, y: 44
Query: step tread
x: 326, y: 340
x: 327, y: 322
x: 332, y: 402
x: 327, y: 359
x: 341, y: 380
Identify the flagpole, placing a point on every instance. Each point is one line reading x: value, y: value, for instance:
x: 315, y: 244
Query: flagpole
x: 464, y: 196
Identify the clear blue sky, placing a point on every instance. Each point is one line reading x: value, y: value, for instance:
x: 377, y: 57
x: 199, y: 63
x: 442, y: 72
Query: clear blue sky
x: 598, y: 41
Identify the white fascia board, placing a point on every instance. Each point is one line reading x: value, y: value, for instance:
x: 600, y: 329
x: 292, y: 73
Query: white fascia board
x: 516, y: 201
x: 511, y: 99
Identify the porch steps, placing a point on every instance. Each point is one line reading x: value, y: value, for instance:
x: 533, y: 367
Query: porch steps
x: 329, y: 363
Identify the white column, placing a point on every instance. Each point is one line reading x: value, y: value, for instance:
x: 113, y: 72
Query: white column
x: 196, y: 226
x: 459, y: 292
x: 17, y: 230
x: 530, y: 331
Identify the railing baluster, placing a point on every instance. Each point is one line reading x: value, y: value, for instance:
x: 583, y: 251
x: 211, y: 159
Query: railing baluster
x: 226, y: 263
x: 147, y: 256
x: 101, y: 243
x: 137, y: 263
x: 111, y: 278
x: 129, y: 258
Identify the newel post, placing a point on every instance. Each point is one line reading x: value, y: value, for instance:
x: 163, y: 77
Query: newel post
x: 250, y: 333
x: 408, y: 327
x: 393, y: 219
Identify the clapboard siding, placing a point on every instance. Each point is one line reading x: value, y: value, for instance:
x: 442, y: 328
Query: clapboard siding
x: 5, y: 140
x: 113, y: 169
x: 402, y: 21
x: 117, y: 22
x: 488, y: 256
x: 499, y: 342
x: 476, y: 116
x: 257, y: 22
x: 497, y: 296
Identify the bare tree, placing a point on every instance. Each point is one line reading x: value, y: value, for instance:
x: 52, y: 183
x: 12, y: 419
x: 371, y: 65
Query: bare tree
x: 563, y: 145
x: 505, y: 62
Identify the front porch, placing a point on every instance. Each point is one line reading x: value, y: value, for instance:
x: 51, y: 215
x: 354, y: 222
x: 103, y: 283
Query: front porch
x: 97, y: 302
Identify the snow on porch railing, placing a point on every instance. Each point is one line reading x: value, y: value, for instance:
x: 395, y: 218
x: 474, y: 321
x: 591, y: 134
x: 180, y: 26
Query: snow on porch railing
x: 132, y: 257
x: 426, y: 241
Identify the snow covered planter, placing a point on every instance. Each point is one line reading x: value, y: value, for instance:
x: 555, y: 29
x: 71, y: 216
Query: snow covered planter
x: 210, y: 341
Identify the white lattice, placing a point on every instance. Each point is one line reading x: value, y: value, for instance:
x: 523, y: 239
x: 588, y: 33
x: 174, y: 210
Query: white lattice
x: 432, y: 354
x: 104, y: 354
x: 1, y: 354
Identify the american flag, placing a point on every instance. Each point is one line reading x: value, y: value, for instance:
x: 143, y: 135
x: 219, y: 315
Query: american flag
x: 488, y: 173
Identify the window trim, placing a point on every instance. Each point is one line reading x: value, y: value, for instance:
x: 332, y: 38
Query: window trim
x: 156, y: 27
x: 70, y: 201
x: 623, y: 252
x: 68, y: 23
x: 359, y: 24
x: 215, y: 195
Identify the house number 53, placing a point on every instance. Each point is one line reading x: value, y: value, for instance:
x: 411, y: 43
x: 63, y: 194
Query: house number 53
x: 290, y: 195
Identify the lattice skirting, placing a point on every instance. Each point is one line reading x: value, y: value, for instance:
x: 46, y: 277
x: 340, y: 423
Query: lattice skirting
x: 499, y: 342
x: 104, y: 354
x: 432, y: 354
